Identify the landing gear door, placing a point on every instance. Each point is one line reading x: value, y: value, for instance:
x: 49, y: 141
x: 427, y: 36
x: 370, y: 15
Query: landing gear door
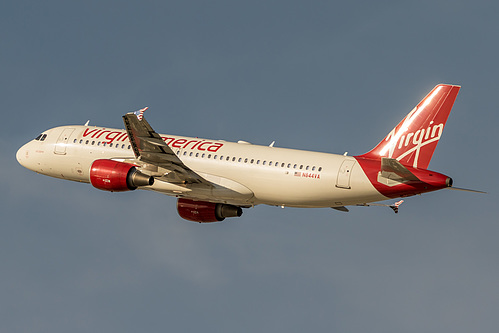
x: 344, y: 174
x: 62, y: 141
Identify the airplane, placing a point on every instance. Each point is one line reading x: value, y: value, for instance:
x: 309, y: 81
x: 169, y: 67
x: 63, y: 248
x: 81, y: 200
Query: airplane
x: 215, y: 179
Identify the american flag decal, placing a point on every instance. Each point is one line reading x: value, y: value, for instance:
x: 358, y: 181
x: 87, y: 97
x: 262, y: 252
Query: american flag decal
x: 298, y: 174
x: 140, y: 113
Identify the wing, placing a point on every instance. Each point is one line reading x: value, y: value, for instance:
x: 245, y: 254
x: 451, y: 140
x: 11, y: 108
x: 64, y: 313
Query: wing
x: 149, y: 148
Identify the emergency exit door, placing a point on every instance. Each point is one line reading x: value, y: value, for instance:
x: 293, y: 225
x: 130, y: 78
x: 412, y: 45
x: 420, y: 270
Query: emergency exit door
x: 344, y: 174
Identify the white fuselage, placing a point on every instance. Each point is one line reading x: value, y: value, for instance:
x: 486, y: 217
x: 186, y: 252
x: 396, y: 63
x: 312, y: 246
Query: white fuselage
x: 243, y: 174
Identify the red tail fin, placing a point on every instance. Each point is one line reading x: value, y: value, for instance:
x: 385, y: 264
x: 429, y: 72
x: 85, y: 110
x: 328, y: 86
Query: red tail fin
x: 414, y: 139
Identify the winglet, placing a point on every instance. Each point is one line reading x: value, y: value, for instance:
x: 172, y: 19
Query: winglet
x: 140, y: 113
x: 396, y: 205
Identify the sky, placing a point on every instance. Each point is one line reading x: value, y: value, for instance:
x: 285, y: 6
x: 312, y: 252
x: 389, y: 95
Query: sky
x: 327, y: 76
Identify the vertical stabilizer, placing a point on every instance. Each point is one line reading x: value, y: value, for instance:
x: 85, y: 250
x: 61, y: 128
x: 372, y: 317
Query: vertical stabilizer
x: 413, y: 141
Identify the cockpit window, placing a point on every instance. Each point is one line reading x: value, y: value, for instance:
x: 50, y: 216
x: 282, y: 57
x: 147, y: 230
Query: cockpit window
x: 41, y: 137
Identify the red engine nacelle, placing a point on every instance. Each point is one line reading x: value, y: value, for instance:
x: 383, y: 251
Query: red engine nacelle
x: 203, y: 212
x: 109, y: 175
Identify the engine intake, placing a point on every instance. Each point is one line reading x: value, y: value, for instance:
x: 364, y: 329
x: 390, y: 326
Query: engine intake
x: 205, y: 212
x: 114, y: 176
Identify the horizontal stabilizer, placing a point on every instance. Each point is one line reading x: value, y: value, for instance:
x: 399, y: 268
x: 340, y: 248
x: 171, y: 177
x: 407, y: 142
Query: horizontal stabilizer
x: 466, y: 190
x: 391, y: 165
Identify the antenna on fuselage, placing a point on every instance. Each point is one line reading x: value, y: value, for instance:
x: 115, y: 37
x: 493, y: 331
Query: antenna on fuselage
x: 88, y: 121
x: 272, y: 144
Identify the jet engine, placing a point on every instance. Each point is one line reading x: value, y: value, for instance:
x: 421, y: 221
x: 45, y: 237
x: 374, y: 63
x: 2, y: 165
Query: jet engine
x: 114, y: 176
x: 203, y: 212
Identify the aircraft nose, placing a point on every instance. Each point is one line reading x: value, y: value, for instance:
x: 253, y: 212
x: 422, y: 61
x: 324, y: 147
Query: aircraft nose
x: 23, y: 155
x: 20, y: 155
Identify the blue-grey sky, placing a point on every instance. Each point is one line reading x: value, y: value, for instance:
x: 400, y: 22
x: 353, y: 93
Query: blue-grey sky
x: 320, y: 75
